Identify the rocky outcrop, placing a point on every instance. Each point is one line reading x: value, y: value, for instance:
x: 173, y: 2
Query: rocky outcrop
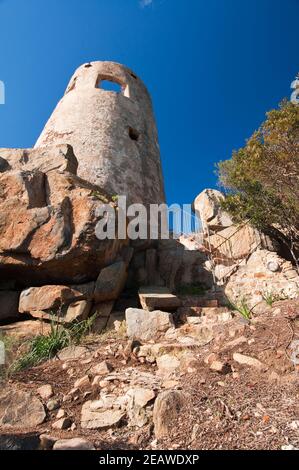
x: 207, y: 206
x: 48, y: 219
x: 54, y: 158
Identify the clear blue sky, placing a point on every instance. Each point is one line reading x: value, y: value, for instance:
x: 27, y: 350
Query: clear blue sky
x: 213, y: 67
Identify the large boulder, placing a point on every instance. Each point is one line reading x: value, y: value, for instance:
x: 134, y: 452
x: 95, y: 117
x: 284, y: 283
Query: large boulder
x: 48, y: 219
x: 67, y: 303
x: 207, y: 206
x: 234, y: 243
x: 143, y: 325
x: 110, y: 282
x: 47, y: 298
x: 97, y: 418
x: 20, y: 410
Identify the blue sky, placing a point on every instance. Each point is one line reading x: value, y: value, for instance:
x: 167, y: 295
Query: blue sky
x: 213, y: 67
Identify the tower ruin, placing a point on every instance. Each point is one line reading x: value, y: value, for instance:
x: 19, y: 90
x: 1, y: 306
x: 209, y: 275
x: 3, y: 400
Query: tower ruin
x: 113, y: 133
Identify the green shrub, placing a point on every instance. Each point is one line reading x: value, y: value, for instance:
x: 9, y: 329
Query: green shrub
x: 262, y: 178
x: 44, y: 347
x: 242, y: 307
x: 270, y: 297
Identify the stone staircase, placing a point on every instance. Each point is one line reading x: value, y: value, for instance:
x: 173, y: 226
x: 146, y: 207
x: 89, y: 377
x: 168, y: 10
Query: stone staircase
x: 211, y: 304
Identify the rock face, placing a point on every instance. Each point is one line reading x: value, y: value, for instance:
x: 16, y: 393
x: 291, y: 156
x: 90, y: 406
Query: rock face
x: 110, y: 282
x: 241, y: 241
x: 207, y: 205
x: 48, y: 219
x: 143, y: 325
x: 93, y: 418
x: 171, y: 265
x: 54, y: 158
x: 20, y: 409
x: 37, y: 299
x: 114, y: 135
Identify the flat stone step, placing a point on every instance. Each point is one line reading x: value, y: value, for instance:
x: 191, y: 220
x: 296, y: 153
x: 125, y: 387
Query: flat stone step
x: 158, y: 298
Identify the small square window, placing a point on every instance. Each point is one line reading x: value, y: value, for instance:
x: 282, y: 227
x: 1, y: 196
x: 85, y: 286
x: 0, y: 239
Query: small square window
x: 109, y: 85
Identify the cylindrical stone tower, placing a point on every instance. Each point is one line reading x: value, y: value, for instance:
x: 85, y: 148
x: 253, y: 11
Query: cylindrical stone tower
x: 113, y: 134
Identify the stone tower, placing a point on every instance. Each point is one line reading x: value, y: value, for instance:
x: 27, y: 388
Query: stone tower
x: 113, y: 133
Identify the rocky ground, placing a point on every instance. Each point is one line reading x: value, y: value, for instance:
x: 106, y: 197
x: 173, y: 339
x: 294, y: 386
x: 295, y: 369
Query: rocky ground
x: 212, y: 381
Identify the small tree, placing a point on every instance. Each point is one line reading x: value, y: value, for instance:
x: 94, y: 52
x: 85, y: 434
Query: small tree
x: 262, y: 178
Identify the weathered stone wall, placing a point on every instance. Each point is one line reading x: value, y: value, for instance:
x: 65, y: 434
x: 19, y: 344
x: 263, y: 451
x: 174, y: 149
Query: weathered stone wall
x: 114, y: 135
x: 169, y: 263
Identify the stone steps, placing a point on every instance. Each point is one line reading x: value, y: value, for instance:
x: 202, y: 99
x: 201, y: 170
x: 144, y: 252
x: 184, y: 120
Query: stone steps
x: 158, y: 298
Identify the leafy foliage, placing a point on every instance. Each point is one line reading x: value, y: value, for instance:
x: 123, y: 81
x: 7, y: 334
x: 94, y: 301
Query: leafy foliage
x: 241, y: 306
x: 44, y: 347
x: 271, y: 297
x: 262, y: 178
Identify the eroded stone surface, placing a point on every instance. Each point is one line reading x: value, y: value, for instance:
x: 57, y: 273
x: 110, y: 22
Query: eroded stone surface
x: 144, y: 325
x: 48, y: 228
x: 110, y: 282
x: 20, y: 409
x: 99, y: 419
x: 208, y: 207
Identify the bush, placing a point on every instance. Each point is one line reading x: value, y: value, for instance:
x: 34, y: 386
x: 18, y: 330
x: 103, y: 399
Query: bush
x: 242, y: 307
x: 43, y: 347
x: 262, y: 178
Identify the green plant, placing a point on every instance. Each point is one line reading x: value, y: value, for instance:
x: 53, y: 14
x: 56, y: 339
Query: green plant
x: 114, y: 198
x: 262, y: 178
x: 10, y: 343
x: 43, y: 347
x: 100, y: 196
x: 270, y: 297
x: 241, y: 306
